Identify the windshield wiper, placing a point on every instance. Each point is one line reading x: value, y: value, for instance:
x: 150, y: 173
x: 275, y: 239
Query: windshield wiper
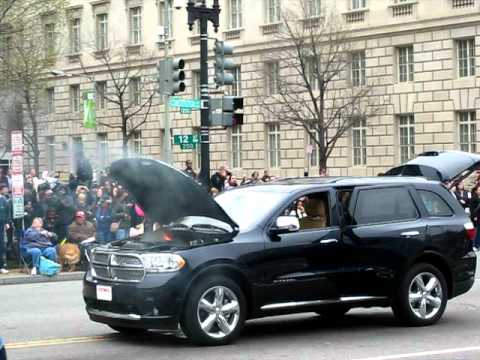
x: 209, y: 227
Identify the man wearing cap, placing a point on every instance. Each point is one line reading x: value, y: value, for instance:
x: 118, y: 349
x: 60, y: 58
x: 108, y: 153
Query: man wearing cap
x: 80, y: 229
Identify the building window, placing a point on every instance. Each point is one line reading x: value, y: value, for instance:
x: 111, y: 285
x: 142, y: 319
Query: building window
x: 311, y: 73
x: 135, y: 91
x: 235, y: 15
x: 358, y: 4
x: 51, y: 153
x: 273, y: 142
x: 50, y: 38
x: 237, y: 82
x: 102, y: 32
x: 75, y: 98
x: 406, y: 131
x: 312, y: 8
x: 75, y: 40
x: 466, y: 57
x: 272, y: 74
x: 273, y: 10
x: 102, y: 150
x: 166, y: 17
x: 405, y: 64
x: 51, y: 100
x: 313, y: 148
x: 136, y: 147
x: 462, y: 3
x: 359, y: 142
x: 100, y: 91
x: 358, y: 69
x: 467, y: 130
x: 136, y: 25
x: 236, y: 147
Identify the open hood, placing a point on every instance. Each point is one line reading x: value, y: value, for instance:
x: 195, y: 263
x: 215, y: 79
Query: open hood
x: 445, y: 166
x: 164, y: 193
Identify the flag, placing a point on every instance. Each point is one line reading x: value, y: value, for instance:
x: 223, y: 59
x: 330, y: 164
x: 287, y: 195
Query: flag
x: 89, y: 115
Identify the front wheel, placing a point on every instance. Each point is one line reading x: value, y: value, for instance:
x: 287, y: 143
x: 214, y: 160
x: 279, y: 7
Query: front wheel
x: 215, y: 312
x: 422, y: 296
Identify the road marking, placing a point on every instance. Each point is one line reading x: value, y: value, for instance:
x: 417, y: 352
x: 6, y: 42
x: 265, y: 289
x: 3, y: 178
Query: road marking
x: 425, y: 353
x: 54, y: 342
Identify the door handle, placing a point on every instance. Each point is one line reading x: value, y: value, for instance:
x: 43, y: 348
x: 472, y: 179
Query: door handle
x: 408, y: 234
x: 328, y: 241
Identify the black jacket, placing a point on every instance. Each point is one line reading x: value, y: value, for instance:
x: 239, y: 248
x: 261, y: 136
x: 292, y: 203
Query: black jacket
x: 5, y: 210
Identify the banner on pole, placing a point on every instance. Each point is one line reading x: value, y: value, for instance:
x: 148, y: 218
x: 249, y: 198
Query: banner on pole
x: 89, y: 113
x: 18, y: 189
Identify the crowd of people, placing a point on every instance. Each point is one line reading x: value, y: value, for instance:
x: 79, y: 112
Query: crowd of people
x: 470, y: 200
x: 63, y: 218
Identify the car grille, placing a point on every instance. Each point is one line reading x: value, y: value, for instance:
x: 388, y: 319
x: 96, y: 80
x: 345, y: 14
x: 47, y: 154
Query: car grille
x: 117, y: 267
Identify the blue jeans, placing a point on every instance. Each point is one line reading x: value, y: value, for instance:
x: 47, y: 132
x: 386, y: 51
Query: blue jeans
x: 121, y: 234
x: 36, y: 253
x: 104, y: 237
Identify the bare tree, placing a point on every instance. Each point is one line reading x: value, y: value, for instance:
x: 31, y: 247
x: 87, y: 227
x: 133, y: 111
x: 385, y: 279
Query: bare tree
x: 131, y: 92
x: 313, y: 90
x: 27, y: 54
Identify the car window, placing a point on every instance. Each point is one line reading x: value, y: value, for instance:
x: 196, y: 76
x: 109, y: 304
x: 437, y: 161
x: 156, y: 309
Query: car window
x: 434, y: 204
x: 311, y: 210
x: 384, y: 205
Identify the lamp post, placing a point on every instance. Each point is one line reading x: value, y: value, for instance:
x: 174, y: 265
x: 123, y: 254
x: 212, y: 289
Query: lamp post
x: 198, y: 10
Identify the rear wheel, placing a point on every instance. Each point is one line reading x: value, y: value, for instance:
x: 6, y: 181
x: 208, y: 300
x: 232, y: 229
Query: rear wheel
x: 128, y: 330
x: 422, y: 296
x: 215, y: 312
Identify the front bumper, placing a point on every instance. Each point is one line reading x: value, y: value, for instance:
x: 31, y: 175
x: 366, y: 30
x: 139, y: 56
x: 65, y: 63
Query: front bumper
x: 154, y: 303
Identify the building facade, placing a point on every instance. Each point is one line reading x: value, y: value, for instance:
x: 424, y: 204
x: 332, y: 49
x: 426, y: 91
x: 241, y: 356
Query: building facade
x: 419, y: 56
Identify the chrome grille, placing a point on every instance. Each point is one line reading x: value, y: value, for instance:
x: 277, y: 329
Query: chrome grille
x: 117, y: 267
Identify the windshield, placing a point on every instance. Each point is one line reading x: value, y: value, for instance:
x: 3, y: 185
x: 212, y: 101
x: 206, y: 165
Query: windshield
x: 249, y: 206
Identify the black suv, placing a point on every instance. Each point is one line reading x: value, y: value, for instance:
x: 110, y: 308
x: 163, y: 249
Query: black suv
x: 322, y: 245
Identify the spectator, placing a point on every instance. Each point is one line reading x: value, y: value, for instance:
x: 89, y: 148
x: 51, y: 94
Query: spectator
x: 266, y: 176
x: 103, y: 217
x: 463, y: 196
x: 4, y: 178
x: 475, y: 214
x: 37, y: 242
x: 218, y: 179
x: 5, y: 219
x: 189, y: 169
x: 82, y: 205
x: 80, y: 229
x: 120, y: 214
x: 53, y: 224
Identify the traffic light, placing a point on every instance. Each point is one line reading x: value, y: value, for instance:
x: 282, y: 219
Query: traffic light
x: 171, y: 76
x: 222, y: 64
x: 234, y: 105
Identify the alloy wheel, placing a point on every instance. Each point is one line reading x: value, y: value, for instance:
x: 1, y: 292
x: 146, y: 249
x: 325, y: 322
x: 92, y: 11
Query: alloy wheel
x: 218, y: 312
x: 425, y: 295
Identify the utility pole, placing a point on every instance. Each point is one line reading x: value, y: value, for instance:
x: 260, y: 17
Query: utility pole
x: 198, y: 10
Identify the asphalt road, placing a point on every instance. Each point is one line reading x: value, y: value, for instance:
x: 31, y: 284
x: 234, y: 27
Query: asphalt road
x: 47, y: 321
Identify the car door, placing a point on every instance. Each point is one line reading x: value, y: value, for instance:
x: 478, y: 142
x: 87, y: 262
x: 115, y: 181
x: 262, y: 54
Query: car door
x: 386, y: 230
x: 303, y: 265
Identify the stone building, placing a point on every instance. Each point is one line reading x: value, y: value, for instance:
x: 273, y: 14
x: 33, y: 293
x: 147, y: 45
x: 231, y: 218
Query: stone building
x: 420, y: 54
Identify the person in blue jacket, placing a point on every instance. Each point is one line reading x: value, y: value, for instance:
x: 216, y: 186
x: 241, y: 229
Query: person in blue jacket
x: 38, y: 242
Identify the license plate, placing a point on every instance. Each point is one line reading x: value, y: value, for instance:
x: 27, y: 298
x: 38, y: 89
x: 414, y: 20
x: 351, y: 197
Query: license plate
x: 104, y: 293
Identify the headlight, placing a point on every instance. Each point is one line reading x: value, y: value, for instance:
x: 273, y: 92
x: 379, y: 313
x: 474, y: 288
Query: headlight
x: 162, y: 262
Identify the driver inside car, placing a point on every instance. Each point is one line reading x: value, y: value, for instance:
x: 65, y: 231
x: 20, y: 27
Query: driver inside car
x: 316, y: 211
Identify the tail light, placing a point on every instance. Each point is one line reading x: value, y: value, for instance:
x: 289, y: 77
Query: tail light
x: 167, y: 236
x: 470, y: 230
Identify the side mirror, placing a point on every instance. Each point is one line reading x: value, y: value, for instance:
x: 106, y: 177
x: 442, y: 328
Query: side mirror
x: 285, y: 224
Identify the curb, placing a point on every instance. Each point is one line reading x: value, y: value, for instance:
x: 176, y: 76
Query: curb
x: 28, y: 279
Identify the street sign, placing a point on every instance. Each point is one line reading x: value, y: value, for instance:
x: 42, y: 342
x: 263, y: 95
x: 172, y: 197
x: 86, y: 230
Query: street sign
x: 18, y: 208
x: 17, y: 175
x: 188, y: 146
x: 185, y: 110
x: 185, y: 139
x: 193, y: 104
x: 17, y: 141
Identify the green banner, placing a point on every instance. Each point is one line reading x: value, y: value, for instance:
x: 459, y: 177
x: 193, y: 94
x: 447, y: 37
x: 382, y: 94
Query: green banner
x: 89, y: 114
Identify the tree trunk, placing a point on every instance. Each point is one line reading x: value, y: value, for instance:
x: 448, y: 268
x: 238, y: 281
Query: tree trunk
x: 33, y: 120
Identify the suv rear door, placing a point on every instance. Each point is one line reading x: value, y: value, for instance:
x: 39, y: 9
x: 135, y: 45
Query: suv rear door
x: 386, y: 229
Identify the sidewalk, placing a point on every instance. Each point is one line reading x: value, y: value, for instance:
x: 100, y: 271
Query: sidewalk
x: 18, y: 276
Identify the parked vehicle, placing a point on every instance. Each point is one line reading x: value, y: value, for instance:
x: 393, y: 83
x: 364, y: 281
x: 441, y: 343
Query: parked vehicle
x: 323, y: 245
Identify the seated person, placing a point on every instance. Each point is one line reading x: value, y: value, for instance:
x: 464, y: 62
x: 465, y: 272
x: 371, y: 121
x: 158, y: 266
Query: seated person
x: 37, y: 242
x: 316, y: 211
x: 80, y: 229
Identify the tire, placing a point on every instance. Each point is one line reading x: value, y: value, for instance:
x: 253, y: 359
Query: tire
x: 127, y: 330
x: 212, y: 291
x: 333, y: 312
x: 415, y: 305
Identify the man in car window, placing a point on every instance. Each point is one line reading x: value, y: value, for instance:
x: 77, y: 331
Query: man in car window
x: 316, y: 211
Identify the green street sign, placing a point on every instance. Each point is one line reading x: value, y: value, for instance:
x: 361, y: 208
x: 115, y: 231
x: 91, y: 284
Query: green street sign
x: 185, y: 110
x: 188, y: 146
x: 193, y: 104
x: 185, y: 139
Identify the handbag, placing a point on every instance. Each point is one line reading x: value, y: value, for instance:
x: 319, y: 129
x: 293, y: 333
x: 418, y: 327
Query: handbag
x: 48, y: 267
x: 114, y: 226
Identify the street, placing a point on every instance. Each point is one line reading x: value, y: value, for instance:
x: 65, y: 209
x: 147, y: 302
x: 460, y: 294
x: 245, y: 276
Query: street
x: 48, y: 321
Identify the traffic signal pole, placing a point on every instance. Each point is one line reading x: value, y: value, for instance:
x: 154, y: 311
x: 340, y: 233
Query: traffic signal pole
x: 198, y: 10
x: 167, y: 138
